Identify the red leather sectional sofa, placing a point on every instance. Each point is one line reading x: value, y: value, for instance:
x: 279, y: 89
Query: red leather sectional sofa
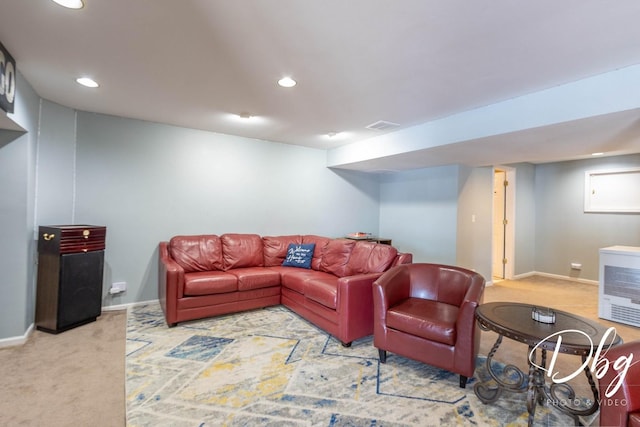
x: 207, y: 275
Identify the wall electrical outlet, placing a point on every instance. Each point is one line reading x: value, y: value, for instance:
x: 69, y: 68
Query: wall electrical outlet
x: 576, y: 266
x: 118, y: 287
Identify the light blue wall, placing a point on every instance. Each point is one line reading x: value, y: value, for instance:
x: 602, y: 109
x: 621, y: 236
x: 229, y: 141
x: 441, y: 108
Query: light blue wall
x: 428, y: 212
x: 564, y: 232
x: 475, y: 220
x: 56, y: 165
x: 148, y: 182
x: 17, y: 195
x: 525, y: 219
x: 418, y: 210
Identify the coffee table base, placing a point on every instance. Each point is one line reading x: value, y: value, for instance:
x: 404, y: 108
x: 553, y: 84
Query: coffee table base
x: 539, y: 392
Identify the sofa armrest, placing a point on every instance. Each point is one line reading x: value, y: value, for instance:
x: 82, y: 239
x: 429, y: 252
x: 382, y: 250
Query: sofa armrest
x: 170, y: 283
x: 354, y: 286
x: 403, y: 258
x: 355, y: 306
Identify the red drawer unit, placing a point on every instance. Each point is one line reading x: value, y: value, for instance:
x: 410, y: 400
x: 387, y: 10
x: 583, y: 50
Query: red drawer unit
x: 69, y: 239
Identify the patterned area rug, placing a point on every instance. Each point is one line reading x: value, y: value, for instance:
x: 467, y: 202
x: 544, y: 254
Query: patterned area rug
x: 271, y: 367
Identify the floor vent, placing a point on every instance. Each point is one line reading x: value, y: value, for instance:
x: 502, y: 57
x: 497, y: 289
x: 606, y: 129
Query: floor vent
x: 382, y: 125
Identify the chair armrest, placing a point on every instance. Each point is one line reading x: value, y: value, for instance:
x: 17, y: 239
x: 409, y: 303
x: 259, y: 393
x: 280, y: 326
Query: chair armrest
x: 615, y: 409
x: 389, y: 289
x: 472, y: 299
x: 467, y: 332
x: 475, y: 293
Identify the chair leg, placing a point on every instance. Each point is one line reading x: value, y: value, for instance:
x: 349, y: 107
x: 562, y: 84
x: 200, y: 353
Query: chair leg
x: 383, y: 355
x: 463, y: 381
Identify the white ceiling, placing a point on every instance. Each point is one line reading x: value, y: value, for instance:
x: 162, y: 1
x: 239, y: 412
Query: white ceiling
x: 196, y: 63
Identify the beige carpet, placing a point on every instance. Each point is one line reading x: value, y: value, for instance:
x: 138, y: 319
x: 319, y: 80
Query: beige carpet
x: 75, y: 378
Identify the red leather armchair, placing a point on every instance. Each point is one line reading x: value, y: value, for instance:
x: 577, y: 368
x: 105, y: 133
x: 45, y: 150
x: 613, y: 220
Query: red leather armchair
x: 426, y: 312
x: 623, y: 407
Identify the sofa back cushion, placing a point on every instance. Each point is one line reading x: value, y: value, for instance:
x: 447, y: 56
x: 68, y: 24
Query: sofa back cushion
x: 453, y: 285
x: 241, y: 250
x: 335, y: 256
x: 443, y: 283
x: 370, y: 257
x: 197, y: 253
x: 275, y: 248
x: 320, y: 243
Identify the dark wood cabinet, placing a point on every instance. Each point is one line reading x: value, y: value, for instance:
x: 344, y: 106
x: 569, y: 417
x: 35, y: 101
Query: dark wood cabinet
x: 70, y: 268
x: 382, y: 240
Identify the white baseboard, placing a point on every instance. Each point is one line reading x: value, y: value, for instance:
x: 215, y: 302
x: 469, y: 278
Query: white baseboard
x: 15, y: 341
x: 556, y: 276
x: 126, y: 306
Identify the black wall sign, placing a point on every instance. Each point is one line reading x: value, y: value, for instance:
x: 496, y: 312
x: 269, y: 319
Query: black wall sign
x: 7, y: 80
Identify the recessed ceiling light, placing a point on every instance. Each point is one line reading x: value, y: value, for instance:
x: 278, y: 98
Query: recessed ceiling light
x: 71, y: 4
x: 597, y: 154
x: 287, y: 82
x: 86, y: 81
x: 245, y: 116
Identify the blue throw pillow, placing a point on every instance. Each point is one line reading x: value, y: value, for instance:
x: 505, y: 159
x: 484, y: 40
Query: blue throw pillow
x: 299, y: 255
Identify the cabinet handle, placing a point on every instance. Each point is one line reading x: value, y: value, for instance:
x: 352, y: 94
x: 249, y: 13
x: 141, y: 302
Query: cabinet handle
x: 47, y: 236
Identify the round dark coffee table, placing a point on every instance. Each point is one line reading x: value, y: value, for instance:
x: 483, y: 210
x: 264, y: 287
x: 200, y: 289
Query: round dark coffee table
x: 568, y: 334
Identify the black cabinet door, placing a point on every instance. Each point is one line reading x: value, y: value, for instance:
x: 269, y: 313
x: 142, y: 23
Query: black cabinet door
x: 80, y: 293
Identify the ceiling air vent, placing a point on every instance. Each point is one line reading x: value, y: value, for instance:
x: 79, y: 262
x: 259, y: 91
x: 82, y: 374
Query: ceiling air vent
x: 382, y: 125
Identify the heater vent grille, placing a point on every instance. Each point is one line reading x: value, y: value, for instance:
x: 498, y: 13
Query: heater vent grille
x: 624, y: 314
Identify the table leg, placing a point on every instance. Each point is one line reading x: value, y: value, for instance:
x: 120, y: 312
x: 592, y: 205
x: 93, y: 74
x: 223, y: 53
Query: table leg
x: 563, y: 397
x: 490, y: 390
x: 535, y: 386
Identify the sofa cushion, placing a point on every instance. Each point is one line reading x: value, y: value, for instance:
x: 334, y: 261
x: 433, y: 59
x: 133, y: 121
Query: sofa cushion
x: 370, y: 257
x: 299, y: 255
x: 209, y: 282
x: 320, y: 243
x: 296, y: 278
x: 423, y: 318
x: 322, y: 290
x: 255, y: 278
x: 335, y: 256
x: 241, y: 250
x: 197, y: 253
x: 275, y: 248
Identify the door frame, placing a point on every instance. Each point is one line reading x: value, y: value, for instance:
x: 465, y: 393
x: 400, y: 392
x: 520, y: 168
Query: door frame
x: 510, y: 209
